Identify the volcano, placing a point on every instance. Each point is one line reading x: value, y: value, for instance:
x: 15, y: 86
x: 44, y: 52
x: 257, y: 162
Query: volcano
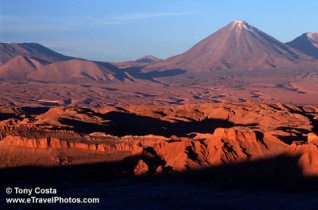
x: 238, y: 46
x: 306, y: 43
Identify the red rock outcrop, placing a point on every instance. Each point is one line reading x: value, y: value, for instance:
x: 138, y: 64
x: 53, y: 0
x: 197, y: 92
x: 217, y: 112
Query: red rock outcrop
x: 163, y: 139
x: 308, y: 160
x: 141, y: 168
x: 224, y: 146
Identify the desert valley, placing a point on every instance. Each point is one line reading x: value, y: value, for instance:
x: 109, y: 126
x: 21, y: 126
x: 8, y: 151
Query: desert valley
x: 235, y: 115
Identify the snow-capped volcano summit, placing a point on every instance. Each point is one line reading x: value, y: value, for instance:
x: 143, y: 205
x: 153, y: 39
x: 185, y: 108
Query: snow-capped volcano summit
x: 240, y: 24
x: 239, y: 46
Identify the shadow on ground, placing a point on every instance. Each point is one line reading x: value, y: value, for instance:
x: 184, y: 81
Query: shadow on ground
x: 279, y: 180
x: 123, y: 123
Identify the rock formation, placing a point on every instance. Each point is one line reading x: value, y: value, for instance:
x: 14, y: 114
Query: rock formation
x: 162, y: 139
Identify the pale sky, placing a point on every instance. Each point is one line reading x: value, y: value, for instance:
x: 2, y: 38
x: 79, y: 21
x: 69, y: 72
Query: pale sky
x: 113, y: 30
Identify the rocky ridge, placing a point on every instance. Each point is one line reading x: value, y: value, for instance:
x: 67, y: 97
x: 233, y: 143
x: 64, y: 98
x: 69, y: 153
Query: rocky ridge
x: 156, y: 140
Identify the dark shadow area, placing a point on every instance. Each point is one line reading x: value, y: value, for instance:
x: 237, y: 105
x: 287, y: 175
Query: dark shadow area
x: 260, y: 137
x: 118, y: 73
x: 123, y: 123
x: 315, y: 125
x: 6, y: 116
x: 34, y: 110
x: 298, y: 133
x: 137, y: 73
x: 280, y: 175
x: 281, y: 172
x: 309, y: 115
x: 50, y: 104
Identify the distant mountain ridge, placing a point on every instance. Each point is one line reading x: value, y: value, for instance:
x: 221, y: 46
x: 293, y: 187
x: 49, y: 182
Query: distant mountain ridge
x: 35, y: 50
x: 237, y: 46
x: 306, y: 43
x: 145, y: 60
x: 148, y: 59
x: 31, y: 61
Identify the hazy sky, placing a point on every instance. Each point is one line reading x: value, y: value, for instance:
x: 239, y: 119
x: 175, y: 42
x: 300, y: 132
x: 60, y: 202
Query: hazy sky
x: 112, y: 30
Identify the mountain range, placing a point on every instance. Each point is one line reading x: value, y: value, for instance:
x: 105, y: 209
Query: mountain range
x: 236, y: 47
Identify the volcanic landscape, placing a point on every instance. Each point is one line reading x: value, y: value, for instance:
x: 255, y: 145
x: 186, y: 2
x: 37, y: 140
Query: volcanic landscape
x: 234, y: 118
